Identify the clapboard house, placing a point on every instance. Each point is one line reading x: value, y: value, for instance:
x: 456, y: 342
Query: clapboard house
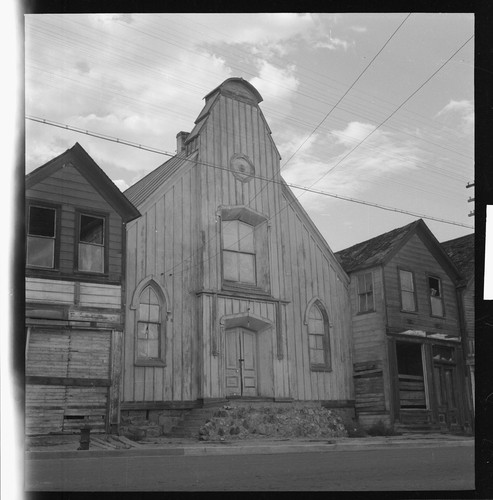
x: 232, y: 292
x: 408, y: 357
x: 461, y: 251
x: 75, y: 248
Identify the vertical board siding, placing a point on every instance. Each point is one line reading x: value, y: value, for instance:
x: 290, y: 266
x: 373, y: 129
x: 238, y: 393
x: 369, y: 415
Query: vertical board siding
x: 416, y: 257
x: 180, y: 225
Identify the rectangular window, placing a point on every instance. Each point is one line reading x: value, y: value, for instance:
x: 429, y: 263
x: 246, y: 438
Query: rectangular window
x: 41, y: 235
x: 436, y: 299
x: 365, y: 293
x: 91, y: 243
x: 238, y: 252
x: 408, y: 296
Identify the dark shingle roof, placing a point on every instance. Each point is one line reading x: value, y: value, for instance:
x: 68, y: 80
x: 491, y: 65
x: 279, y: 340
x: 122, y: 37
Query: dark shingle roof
x: 374, y: 251
x: 461, y: 252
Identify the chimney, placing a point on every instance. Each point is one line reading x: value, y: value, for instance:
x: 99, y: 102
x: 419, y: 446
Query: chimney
x: 181, y: 137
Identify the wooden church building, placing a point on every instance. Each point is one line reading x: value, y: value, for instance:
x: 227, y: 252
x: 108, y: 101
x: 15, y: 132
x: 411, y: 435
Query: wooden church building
x: 231, y: 291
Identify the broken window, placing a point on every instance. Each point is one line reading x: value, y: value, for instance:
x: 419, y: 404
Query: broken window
x: 365, y: 293
x: 408, y: 296
x: 318, y: 337
x: 91, y: 243
x: 436, y: 299
x: 41, y: 235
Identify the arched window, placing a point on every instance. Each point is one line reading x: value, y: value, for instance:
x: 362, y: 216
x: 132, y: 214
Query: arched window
x: 150, y: 328
x: 318, y: 337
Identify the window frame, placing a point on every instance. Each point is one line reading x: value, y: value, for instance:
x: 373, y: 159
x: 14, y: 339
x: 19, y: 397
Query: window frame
x: 101, y: 215
x: 415, y: 297
x: 326, y: 366
x: 56, y: 238
x: 430, y: 297
x: 365, y: 292
x: 160, y: 360
x: 261, y: 245
x: 239, y: 252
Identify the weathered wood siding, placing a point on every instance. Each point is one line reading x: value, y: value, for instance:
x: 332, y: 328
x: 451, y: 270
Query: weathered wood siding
x: 372, y: 391
x: 68, y: 188
x: 468, y: 303
x: 163, y: 244
x: 300, y: 269
x: 416, y: 257
x: 177, y: 242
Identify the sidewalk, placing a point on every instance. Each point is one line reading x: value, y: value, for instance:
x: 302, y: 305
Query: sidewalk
x: 66, y: 446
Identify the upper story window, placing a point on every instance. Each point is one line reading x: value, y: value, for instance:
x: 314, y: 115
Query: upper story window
x: 365, y: 293
x: 245, y: 250
x: 436, y: 298
x: 91, y: 243
x: 318, y: 337
x: 408, y: 293
x: 41, y: 236
x: 238, y: 252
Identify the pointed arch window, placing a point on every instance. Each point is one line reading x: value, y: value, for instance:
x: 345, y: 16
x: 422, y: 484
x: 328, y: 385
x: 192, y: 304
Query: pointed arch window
x: 318, y: 337
x: 150, y: 334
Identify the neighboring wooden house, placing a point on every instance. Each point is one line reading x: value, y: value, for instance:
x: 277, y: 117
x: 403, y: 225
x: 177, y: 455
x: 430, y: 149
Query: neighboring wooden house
x: 408, y: 361
x: 461, y: 251
x: 75, y: 247
x: 232, y: 291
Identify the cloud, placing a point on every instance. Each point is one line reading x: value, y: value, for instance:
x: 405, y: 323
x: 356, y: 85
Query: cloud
x: 463, y: 110
x: 359, y: 29
x: 121, y: 184
x: 275, y: 83
x: 332, y: 43
x: 383, y: 157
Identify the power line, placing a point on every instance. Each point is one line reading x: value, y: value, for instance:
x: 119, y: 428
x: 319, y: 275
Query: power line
x: 261, y: 178
x: 395, y: 111
x: 348, y: 90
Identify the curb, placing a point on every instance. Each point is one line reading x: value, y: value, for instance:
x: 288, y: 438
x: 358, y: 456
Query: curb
x: 245, y: 449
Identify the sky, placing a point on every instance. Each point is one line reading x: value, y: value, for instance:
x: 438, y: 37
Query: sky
x: 359, y: 105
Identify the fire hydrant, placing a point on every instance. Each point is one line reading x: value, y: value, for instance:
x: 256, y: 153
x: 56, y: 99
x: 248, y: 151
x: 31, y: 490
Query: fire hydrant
x: 85, y: 438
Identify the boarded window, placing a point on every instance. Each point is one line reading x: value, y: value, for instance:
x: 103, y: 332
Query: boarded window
x: 318, y: 337
x: 91, y: 243
x: 408, y: 297
x: 238, y: 252
x: 41, y: 237
x: 436, y: 299
x: 365, y: 293
x: 149, y: 326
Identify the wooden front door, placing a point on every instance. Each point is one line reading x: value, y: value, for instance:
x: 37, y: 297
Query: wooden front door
x: 444, y: 377
x: 241, y: 358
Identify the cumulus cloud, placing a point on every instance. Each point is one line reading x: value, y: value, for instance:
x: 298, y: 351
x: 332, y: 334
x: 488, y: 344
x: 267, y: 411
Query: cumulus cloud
x: 461, y: 110
x: 273, y: 82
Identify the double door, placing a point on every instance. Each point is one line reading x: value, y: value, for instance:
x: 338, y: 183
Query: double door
x: 241, y: 361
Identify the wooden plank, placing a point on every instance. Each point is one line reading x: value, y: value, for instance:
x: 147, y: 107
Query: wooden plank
x: 49, y: 291
x: 68, y: 381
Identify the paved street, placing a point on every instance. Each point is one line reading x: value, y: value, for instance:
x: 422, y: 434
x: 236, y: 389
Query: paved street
x: 414, y: 469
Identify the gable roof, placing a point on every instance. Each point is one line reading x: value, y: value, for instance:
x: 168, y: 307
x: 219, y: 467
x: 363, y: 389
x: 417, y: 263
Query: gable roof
x: 461, y: 251
x: 379, y: 250
x: 145, y: 187
x: 374, y: 251
x: 77, y: 157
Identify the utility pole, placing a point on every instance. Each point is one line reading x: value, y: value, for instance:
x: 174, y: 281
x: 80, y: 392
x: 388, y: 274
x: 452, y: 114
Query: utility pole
x: 471, y: 199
